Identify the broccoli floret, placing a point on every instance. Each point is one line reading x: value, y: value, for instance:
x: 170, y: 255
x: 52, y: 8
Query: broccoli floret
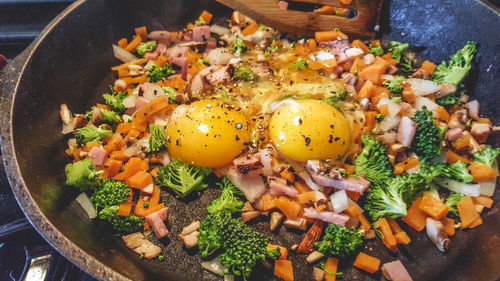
x: 394, y: 86
x: 145, y: 47
x: 109, y: 193
x: 110, y: 117
x: 271, y: 49
x: 378, y: 51
x: 457, y: 68
x: 448, y: 100
x: 457, y: 171
x: 340, y: 241
x: 336, y: 97
x: 115, y: 100
x: 389, y: 199
x: 82, y: 174
x: 182, y: 177
x: 171, y: 94
x: 121, y: 224
x: 428, y: 135
x: 158, y: 73
x: 373, y: 162
x: 244, y: 73
x: 274, y: 253
x: 488, y: 156
x: 157, y: 138
x: 90, y: 133
x: 398, y: 52
x: 227, y: 200
x: 300, y: 64
x: 452, y: 201
x: 211, y: 231
x: 238, y: 46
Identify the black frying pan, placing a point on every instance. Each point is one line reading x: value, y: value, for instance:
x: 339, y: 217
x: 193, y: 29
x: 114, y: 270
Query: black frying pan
x: 70, y: 63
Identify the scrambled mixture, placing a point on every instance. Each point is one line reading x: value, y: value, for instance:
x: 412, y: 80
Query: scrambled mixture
x: 344, y: 140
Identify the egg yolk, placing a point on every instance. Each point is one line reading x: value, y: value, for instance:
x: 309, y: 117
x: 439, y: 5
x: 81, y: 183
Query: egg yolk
x: 309, y: 129
x: 207, y: 133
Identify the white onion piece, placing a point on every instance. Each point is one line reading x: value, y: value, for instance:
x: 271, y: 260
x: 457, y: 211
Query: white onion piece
x: 149, y: 65
x: 422, y: 87
x: 68, y: 128
x: 487, y: 188
x: 387, y: 77
x: 354, y: 52
x: 322, y: 56
x: 165, y: 158
x: 84, y: 201
x: 422, y: 101
x: 276, y: 104
x: 122, y: 54
x: 340, y: 201
x: 214, y: 266
x: 394, y: 108
x: 434, y: 192
x: 234, y: 60
x: 471, y: 189
x: 309, y: 181
x: 219, y: 56
x: 266, y: 160
x: 219, y: 30
x: 152, y: 91
x: 389, y: 123
x: 129, y: 101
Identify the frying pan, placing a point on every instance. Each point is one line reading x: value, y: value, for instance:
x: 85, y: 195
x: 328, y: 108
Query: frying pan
x: 70, y: 63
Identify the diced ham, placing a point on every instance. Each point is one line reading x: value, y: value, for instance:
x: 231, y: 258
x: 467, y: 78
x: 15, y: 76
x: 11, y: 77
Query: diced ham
x: 220, y: 76
x: 329, y: 217
x: 336, y: 46
x: 262, y: 69
x: 176, y: 52
x: 473, y: 109
x: 349, y: 78
x: 406, y: 131
x: 97, y: 154
x: 151, y: 55
x: 201, y: 33
x: 248, y: 164
x: 252, y: 186
x: 395, y: 271
x: 160, y: 35
x: 279, y: 186
x: 211, y: 44
x: 480, y: 131
x: 155, y: 220
x: 180, y: 65
x: 139, y: 102
x: 355, y: 184
x: 283, y: 5
x: 457, y: 120
x: 266, y: 160
x: 446, y: 89
x: 454, y: 134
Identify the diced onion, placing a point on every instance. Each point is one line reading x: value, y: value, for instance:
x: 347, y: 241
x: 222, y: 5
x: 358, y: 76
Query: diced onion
x: 149, y: 65
x: 354, y: 52
x: 214, y: 266
x: 219, y: 56
x: 387, y: 77
x: 422, y: 101
x: 276, y: 104
x: 394, y: 108
x: 322, y: 56
x: 219, y: 30
x: 129, y: 101
x: 122, y: 54
x: 487, y: 188
x: 84, y: 201
x: 340, y: 201
x: 152, y: 92
x: 389, y: 123
x: 422, y: 87
x: 459, y: 187
x: 68, y: 128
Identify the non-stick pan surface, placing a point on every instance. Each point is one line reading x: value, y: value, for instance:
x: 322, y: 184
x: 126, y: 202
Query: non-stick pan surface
x: 70, y: 63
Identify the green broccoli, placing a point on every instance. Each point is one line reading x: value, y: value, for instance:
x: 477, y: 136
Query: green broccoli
x: 157, y: 138
x: 271, y: 49
x: 428, y: 135
x: 145, y: 47
x: 109, y: 117
x: 171, y: 94
x: 109, y: 193
x: 244, y: 73
x: 211, y: 231
x: 238, y: 46
x: 378, y: 51
x: 340, y: 241
x: 448, y: 100
x: 274, y: 253
x: 394, y: 86
x: 90, y: 133
x: 82, y: 174
x: 452, y: 201
x: 398, y: 52
x: 488, y: 156
x: 158, y: 73
x: 389, y: 199
x: 121, y: 224
x: 457, y: 171
x: 457, y: 68
x: 227, y: 200
x: 115, y: 100
x: 373, y: 162
x: 300, y: 64
x: 182, y: 177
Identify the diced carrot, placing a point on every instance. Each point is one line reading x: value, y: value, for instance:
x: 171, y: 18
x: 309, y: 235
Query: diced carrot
x: 306, y: 246
x: 462, y: 142
x: 370, y: 121
x: 346, y: 2
x: 133, y: 44
x: 122, y: 73
x: 155, y: 196
x: 206, y: 16
x: 325, y: 10
x: 375, y: 43
x: 428, y: 67
x: 250, y: 29
x: 352, y: 211
x: 395, y: 228
x: 131, y: 168
x: 154, y: 107
x: 408, y: 95
x: 361, y: 45
x: 467, y: 211
x: 321, y: 207
x: 118, y: 155
x: 113, y: 143
x: 122, y: 43
x: 402, y: 238
x: 268, y: 201
x: 190, y: 26
x: 405, y: 165
x: 365, y: 224
x: 384, y: 109
x: 374, y: 71
x: 283, y: 269
x: 389, y: 59
x: 154, y: 172
x: 142, y: 32
x: 483, y: 201
x: 389, y: 240
x: 288, y: 175
x: 140, y: 180
x: 123, y: 128
x: 133, y: 134
x: 301, y: 49
x: 481, y: 171
x: 432, y: 206
x: 452, y: 157
x: 353, y: 195
x: 399, y: 168
x: 111, y: 168
x: 331, y: 265
x: 125, y: 65
x: 322, y: 36
x: 160, y: 62
x: 357, y: 66
x: 152, y: 209
x: 301, y: 187
x: 349, y: 168
x: 442, y: 113
x: 307, y: 197
x: 146, y: 226
x: 283, y: 250
x: 449, y: 225
x: 367, y: 91
x: 475, y: 223
x: 415, y: 217
x: 135, y: 80
x: 366, y: 262
x: 125, y: 209
x: 175, y: 82
x: 484, y: 121
x: 290, y: 208
x: 90, y: 145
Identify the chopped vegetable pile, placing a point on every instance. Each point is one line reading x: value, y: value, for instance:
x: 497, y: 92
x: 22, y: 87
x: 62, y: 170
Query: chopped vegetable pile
x: 344, y: 141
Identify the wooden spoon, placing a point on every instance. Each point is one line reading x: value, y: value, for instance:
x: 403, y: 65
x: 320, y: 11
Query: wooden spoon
x: 269, y: 13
